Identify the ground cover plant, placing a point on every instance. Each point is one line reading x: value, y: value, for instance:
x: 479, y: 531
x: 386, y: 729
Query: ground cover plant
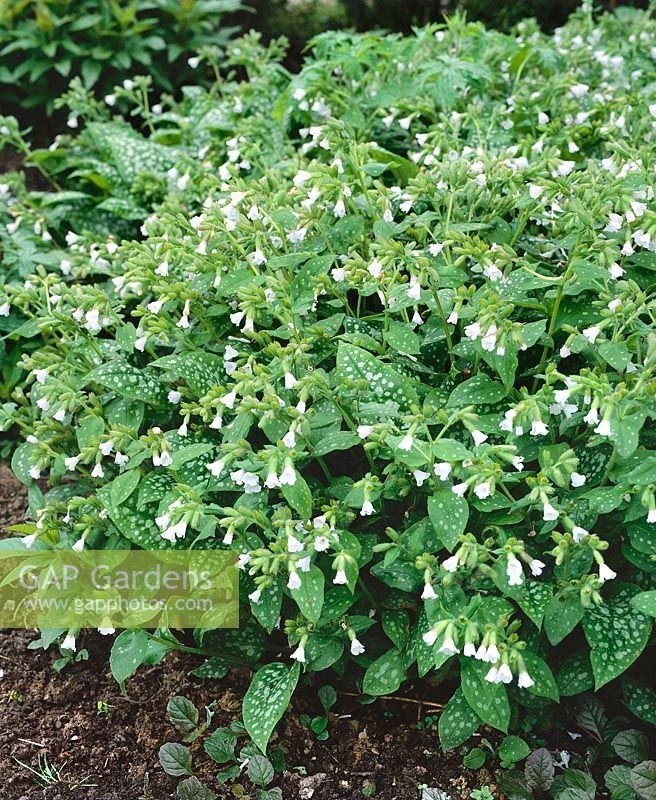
x: 44, y: 44
x: 388, y: 335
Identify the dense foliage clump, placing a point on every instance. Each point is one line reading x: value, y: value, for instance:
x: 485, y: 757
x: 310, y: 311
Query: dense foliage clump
x: 389, y: 336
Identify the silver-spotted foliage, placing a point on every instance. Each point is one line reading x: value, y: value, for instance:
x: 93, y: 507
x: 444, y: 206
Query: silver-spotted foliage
x: 388, y: 335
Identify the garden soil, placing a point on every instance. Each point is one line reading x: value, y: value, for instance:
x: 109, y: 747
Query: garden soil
x: 109, y: 752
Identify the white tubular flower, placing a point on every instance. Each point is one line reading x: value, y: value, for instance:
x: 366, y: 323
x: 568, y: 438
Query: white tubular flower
x: 577, y: 479
x: 538, y: 428
x: 367, y: 509
x: 536, y: 567
x: 549, y: 513
x: 293, y: 544
x: 428, y: 592
x: 603, y: 429
x: 579, y: 533
x: 255, y: 596
x: 294, y: 581
x: 442, y: 470
x: 451, y: 563
x: 514, y: 571
x: 504, y: 674
x: 524, y: 681
x: 448, y: 647
x: 420, y: 477
x: 69, y: 642
x: 288, y: 476
x: 606, y: 573
x: 216, y: 468
x: 430, y: 637
x: 340, y: 578
x: 492, y: 675
x: 406, y: 443
x: 299, y: 654
x: 478, y: 437
x: 469, y: 650
x: 364, y: 431
x: 357, y: 648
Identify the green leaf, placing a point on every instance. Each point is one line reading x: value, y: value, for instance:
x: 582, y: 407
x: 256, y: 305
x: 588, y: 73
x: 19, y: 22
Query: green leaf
x: 640, y: 699
x: 327, y: 697
x: 616, y: 633
x: 260, y: 770
x: 645, y: 603
x: 396, y: 624
x: 384, y: 383
x: 385, y: 675
x: 448, y: 514
x: 574, y: 676
x: 128, y: 381
x: 193, y: 789
x: 488, y: 700
x: 618, y: 781
x: 474, y: 759
x: 175, y: 759
x: 299, y: 497
x: 562, y: 615
x: 220, y: 746
x: 539, y: 770
x: 401, y: 337
x: 631, y: 745
x: 122, y: 486
x: 513, y: 749
x: 267, y: 699
x: 182, y: 714
x: 643, y: 780
x: 457, y: 722
x: 309, y: 596
x: 338, y: 440
x: 477, y: 391
x: 130, y: 650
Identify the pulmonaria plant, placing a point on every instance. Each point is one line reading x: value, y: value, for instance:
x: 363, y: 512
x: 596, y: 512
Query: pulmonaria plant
x: 392, y: 342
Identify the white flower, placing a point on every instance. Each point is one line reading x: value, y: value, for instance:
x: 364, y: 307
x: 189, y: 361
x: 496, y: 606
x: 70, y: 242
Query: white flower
x: 534, y: 191
x: 69, y: 642
x: 298, y: 654
x: 492, y: 675
x: 473, y: 331
x: 504, y: 674
x: 514, y: 571
x: 35, y: 473
x: 294, y: 581
x: 577, y: 479
x: 579, y: 533
x: 449, y: 648
x: 406, y: 442
x: 79, y: 545
x: 71, y: 463
x: 442, y: 470
x: 364, y: 430
x: 538, y: 428
x: 375, y: 268
x: 483, y: 490
x: 288, y: 476
x: 98, y: 471
x: 451, y: 563
x: 459, y: 489
x: 340, y: 578
x: 420, y: 477
x: 478, y: 437
x: 340, y: 209
x: 301, y: 177
x: 603, y: 429
x: 120, y: 458
x: 193, y: 62
x: 216, y: 468
x: 174, y: 397
x: 549, y: 513
x: 606, y: 573
x: 428, y: 592
x: 518, y: 463
x: 651, y: 516
x: 289, y: 439
x: 591, y: 333
x: 357, y: 648
x: 290, y: 380
x: 430, y: 637
x: 255, y: 596
x: 321, y: 544
x: 294, y: 545
x: 228, y: 399
x: 367, y: 509
x: 469, y: 650
x: 524, y: 681
x: 536, y: 567
x: 106, y: 447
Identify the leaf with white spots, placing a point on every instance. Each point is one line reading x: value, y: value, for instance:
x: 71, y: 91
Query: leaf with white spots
x: 448, y: 514
x: 267, y: 699
x: 488, y: 700
x: 616, y: 633
x: 385, y: 675
x: 384, y: 384
x: 128, y: 381
x: 477, y: 391
x: 457, y: 722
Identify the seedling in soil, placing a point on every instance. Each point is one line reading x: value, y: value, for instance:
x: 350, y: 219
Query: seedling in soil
x: 103, y: 709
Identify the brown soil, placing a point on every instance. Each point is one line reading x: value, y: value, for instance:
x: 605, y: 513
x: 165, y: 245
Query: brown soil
x: 113, y: 756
